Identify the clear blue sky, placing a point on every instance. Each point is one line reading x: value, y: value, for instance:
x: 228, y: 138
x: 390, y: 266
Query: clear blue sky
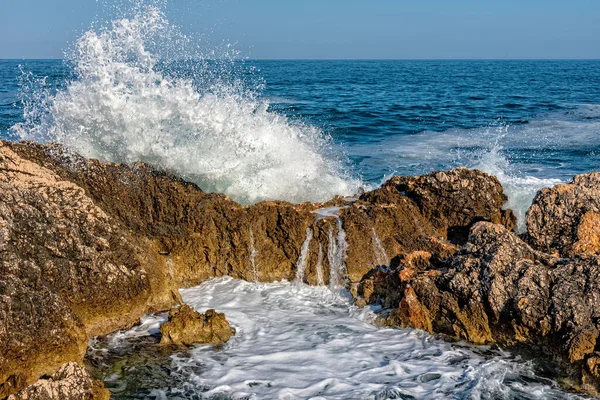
x: 336, y: 28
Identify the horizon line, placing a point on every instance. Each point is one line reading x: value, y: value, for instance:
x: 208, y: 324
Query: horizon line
x: 345, y: 59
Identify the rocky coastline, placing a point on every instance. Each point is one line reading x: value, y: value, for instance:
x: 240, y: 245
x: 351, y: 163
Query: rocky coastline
x: 88, y: 247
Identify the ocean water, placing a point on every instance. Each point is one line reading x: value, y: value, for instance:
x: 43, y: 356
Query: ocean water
x: 135, y: 89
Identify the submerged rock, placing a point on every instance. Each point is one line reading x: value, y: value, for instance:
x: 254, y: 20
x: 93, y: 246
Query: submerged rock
x: 70, y: 382
x: 186, y: 326
x: 565, y: 219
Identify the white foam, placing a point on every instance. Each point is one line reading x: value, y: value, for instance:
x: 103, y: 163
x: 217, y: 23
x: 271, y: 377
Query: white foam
x: 299, y: 342
x: 121, y: 106
x: 519, y: 155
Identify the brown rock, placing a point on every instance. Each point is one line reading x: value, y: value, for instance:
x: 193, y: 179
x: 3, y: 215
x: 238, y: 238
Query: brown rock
x: 38, y: 332
x: 497, y: 289
x: 70, y: 382
x: 112, y: 241
x: 565, y: 219
x: 430, y: 213
x: 186, y: 326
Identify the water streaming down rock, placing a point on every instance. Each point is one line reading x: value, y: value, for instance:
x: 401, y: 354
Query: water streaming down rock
x: 253, y: 253
x: 381, y: 256
x: 337, y: 249
x: 337, y: 246
x: 319, y: 267
x: 303, y: 257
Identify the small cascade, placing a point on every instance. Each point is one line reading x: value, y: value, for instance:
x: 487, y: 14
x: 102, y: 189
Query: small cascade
x: 253, y: 254
x: 303, y: 257
x: 337, y: 255
x: 320, y: 280
x: 336, y: 248
x: 381, y: 256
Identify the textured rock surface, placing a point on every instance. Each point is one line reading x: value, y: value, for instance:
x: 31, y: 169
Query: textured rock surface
x: 497, y: 289
x: 38, y: 332
x: 70, y: 382
x: 430, y: 213
x: 196, y: 236
x: 99, y: 244
x: 565, y: 219
x: 186, y: 326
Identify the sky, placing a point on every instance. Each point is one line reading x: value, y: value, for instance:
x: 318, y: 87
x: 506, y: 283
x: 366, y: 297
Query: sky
x: 334, y: 29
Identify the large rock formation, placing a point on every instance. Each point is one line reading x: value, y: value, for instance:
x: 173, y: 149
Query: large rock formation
x: 565, y: 219
x: 87, y: 247
x: 497, y: 289
x: 186, y: 327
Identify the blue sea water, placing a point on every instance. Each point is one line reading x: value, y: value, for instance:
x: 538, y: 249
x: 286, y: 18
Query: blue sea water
x: 543, y: 116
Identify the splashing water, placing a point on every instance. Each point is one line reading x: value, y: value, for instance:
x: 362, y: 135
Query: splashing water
x: 303, y: 257
x: 127, y: 102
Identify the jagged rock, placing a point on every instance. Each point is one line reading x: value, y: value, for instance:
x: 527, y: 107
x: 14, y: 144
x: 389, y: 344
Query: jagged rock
x: 112, y: 241
x: 497, y: 289
x: 70, y: 382
x: 198, y: 236
x: 186, y: 326
x: 55, y: 236
x: 565, y: 219
x: 429, y: 213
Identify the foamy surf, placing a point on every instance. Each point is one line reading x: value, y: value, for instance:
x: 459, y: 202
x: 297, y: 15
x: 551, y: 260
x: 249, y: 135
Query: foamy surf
x: 522, y: 157
x: 124, y: 104
x: 299, y: 342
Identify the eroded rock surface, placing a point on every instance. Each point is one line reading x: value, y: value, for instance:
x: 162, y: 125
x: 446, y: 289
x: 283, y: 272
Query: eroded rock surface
x: 186, y: 327
x: 565, y: 219
x: 94, y: 245
x: 70, y: 382
x: 497, y: 289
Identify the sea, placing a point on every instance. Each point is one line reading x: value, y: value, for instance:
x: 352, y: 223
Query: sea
x: 135, y: 89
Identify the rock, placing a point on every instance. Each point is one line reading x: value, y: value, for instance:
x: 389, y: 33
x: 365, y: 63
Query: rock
x: 565, y: 219
x: 55, y: 236
x: 430, y: 213
x: 186, y: 327
x: 70, y: 382
x: 105, y: 243
x: 497, y: 289
x: 38, y: 332
x: 196, y: 236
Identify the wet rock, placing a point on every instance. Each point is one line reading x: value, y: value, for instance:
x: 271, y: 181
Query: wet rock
x: 186, y: 327
x: 497, y: 289
x: 565, y: 219
x: 430, y: 213
x: 70, y: 382
x: 109, y: 242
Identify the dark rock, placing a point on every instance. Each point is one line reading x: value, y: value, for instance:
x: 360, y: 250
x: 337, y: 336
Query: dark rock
x: 38, y: 332
x: 497, y: 289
